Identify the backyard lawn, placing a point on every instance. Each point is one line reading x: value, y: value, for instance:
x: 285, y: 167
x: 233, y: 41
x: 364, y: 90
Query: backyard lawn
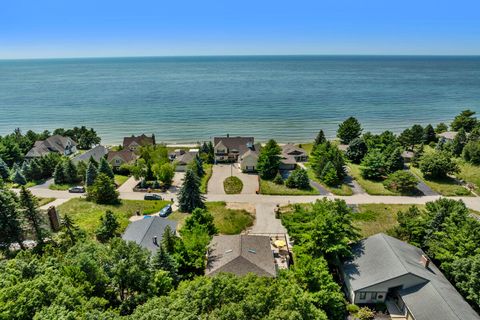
x: 208, y: 174
x: 446, y: 187
x: 120, y: 179
x: 268, y: 187
x: 232, y: 185
x: 87, y: 214
x: 370, y: 186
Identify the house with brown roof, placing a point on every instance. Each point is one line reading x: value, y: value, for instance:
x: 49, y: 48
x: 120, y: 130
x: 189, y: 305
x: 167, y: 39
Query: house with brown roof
x: 291, y: 154
x: 447, y: 135
x: 133, y: 143
x: 117, y: 158
x: 182, y: 158
x: 240, y: 255
x: 54, y: 144
x: 229, y: 149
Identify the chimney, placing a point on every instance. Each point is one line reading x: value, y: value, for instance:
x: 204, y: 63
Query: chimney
x: 155, y: 242
x: 425, y: 261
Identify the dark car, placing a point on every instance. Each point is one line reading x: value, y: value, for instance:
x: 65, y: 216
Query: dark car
x: 165, y: 211
x: 77, y: 189
x: 152, y: 196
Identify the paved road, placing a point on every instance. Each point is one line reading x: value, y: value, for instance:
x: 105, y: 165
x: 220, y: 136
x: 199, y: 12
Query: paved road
x: 222, y: 171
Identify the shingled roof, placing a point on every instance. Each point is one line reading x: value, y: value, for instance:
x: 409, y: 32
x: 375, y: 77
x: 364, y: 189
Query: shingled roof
x: 380, y: 258
x: 97, y: 153
x: 55, y: 143
x: 142, y: 140
x: 240, y: 144
x: 241, y: 254
x: 125, y: 154
x: 145, y: 230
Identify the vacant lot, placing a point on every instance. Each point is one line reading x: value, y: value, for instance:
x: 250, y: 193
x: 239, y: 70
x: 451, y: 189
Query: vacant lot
x: 370, y: 186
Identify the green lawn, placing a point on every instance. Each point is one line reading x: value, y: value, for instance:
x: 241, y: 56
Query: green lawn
x: 469, y: 173
x: 268, y: 187
x: 232, y: 185
x: 61, y: 187
x: 120, y: 179
x: 446, y: 187
x: 370, y: 186
x: 87, y: 214
x: 306, y: 146
x: 208, y: 174
x: 342, y: 190
x: 11, y: 185
x: 44, y: 201
x: 228, y: 221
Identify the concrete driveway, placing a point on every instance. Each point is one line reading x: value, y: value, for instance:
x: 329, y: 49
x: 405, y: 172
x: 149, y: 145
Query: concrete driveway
x: 265, y: 221
x: 222, y: 171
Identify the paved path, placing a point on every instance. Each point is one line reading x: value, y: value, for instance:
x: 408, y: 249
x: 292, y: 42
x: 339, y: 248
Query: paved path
x: 423, y: 187
x: 128, y: 185
x: 265, y: 221
x: 222, y: 171
x: 44, y: 185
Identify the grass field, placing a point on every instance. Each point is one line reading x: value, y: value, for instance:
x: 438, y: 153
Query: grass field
x: 469, y: 173
x: 120, y: 179
x: 208, y: 174
x: 268, y: 187
x: 11, y: 185
x: 87, y: 214
x: 342, y: 190
x: 446, y: 187
x: 232, y: 185
x: 228, y: 221
x: 370, y: 186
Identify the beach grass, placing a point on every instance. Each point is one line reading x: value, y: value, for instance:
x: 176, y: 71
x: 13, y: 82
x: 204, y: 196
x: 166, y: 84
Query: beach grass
x: 370, y: 186
x: 270, y: 188
x: 87, y: 214
x: 232, y: 185
x: 445, y: 187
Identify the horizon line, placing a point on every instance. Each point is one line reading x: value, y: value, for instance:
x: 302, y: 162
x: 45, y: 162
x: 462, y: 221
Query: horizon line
x: 244, y: 55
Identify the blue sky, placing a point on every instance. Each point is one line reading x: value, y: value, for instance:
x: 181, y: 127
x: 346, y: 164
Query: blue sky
x: 72, y: 28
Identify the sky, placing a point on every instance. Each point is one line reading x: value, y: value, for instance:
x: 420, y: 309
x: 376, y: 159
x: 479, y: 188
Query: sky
x: 92, y: 28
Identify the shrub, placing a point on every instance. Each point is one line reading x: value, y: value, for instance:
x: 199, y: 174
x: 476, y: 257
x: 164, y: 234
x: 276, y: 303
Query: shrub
x: 471, y: 152
x: 401, y: 181
x: 438, y: 164
x: 278, y: 179
x: 353, y: 308
x: 298, y: 179
x: 232, y: 185
x: 365, y: 314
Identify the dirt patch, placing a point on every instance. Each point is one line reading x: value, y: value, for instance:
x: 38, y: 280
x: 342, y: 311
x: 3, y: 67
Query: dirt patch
x: 241, y: 206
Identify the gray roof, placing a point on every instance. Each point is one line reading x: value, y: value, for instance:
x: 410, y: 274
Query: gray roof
x: 143, y: 231
x: 55, y: 143
x: 380, y: 258
x: 241, y: 254
x: 449, y: 135
x: 185, y: 158
x: 97, y: 153
x: 142, y: 140
x: 239, y: 144
x: 292, y: 149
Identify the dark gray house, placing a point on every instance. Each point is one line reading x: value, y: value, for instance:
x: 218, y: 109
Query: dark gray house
x: 241, y: 254
x: 148, y: 232
x: 387, y: 270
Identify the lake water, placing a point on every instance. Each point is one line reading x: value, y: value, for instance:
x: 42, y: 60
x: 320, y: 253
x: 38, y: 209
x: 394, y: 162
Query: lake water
x: 188, y: 99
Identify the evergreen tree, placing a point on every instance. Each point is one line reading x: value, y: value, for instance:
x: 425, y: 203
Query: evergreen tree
x: 82, y: 167
x: 93, y: 162
x: 169, y: 239
x: 393, y: 160
x: 108, y: 227
x: 198, y: 166
x: 465, y: 120
x: 10, y: 223
x: 441, y: 127
x: 203, y: 218
x: 59, y: 174
x: 374, y: 166
x: 4, y: 172
x: 70, y: 228
x: 298, y: 179
x: 35, y: 171
x: 105, y: 168
x: 349, y: 130
x: 459, y: 142
x: 324, y: 155
x: 278, y: 179
x: 91, y: 174
x: 357, y: 149
x: 103, y: 190
x: 19, y: 178
x: 319, y: 139
x: 70, y: 171
x: 269, y: 160
x: 429, y: 134
x: 189, y: 197
x: 164, y: 261
x: 35, y: 219
x: 26, y: 170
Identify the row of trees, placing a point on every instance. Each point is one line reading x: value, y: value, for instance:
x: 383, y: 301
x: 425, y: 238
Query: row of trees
x: 35, y: 170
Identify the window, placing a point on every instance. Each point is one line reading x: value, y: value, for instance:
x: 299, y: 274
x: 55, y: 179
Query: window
x: 374, y: 296
x: 363, y: 295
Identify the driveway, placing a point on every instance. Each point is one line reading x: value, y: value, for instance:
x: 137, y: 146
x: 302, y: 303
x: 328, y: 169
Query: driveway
x: 128, y: 185
x: 265, y: 221
x: 222, y: 171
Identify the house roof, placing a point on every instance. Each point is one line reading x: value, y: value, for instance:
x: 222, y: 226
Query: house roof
x: 143, y: 231
x: 125, y: 154
x: 185, y: 158
x: 408, y: 154
x: 239, y: 144
x: 142, y: 140
x: 380, y: 258
x: 449, y: 135
x: 288, y: 159
x: 292, y: 149
x: 96, y: 153
x: 241, y: 254
x: 55, y: 143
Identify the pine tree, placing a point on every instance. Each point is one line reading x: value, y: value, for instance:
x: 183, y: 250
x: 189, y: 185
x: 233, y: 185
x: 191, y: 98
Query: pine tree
x: 103, y: 190
x: 70, y: 171
x: 203, y: 218
x: 189, y: 197
x: 108, y: 227
x: 91, y: 174
x: 35, y: 171
x: 93, y: 161
x: 269, y: 160
x: 59, y: 174
x: 29, y: 205
x: 459, y: 142
x: 164, y: 261
x: 70, y: 227
x: 198, y: 166
x: 26, y: 170
x: 169, y: 239
x: 4, y: 172
x: 349, y: 130
x: 19, y: 178
x: 10, y: 223
x: 429, y: 134
x: 320, y: 138
x: 105, y: 168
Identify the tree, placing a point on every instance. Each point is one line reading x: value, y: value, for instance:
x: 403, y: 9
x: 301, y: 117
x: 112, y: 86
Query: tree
x: 70, y: 228
x: 59, y: 174
x: 471, y: 152
x: 169, y: 239
x: 198, y: 166
x: 35, y: 219
x: 278, y: 179
x: 36, y: 173
x: 441, y: 127
x: 70, y: 171
x: 164, y: 173
x: 269, y: 160
x: 412, y: 136
x: 465, y: 120
x: 10, y: 223
x: 429, y: 134
x: 103, y: 190
x: 189, y: 196
x: 10, y: 151
x: 438, y: 164
x: 4, y: 172
x: 319, y: 139
x: 163, y: 260
x: 82, y: 167
x: 105, y: 168
x: 323, y: 157
x: 357, y: 149
x: 393, y: 160
x: 417, y: 134
x: 201, y: 218
x: 401, y: 181
x: 374, y: 165
x: 108, y: 228
x: 459, y: 142
x: 90, y: 175
x: 298, y: 179
x: 466, y: 275
x: 19, y: 178
x: 349, y: 130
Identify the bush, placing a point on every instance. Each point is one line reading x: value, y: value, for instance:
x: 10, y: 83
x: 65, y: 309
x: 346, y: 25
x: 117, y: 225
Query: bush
x: 374, y: 165
x: 438, y: 164
x: 365, y: 314
x: 353, y: 308
x: 471, y: 152
x: 278, y: 179
x: 401, y: 181
x: 232, y: 185
x: 298, y: 179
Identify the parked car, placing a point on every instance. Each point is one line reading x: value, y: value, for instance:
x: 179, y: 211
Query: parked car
x: 152, y: 196
x: 77, y: 189
x: 165, y: 211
